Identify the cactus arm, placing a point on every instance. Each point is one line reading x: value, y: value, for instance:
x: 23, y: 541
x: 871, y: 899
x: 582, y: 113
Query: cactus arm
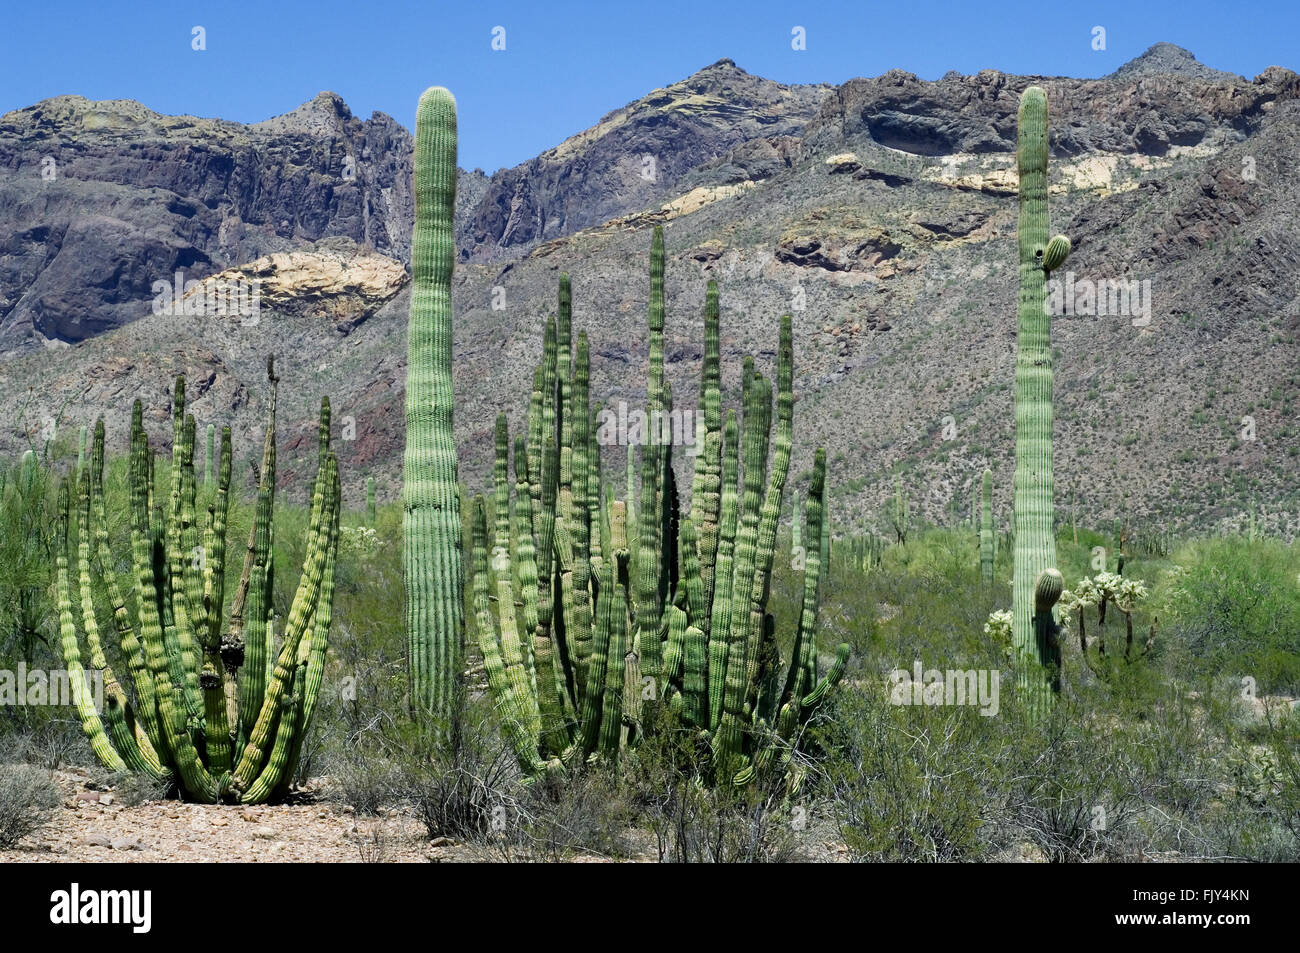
x: 177, y: 632
x: 81, y: 694
x: 770, y: 514
x: 515, y: 723
x: 814, y: 698
x: 151, y: 573
x: 594, y: 697
x: 705, y: 498
x: 255, y: 637
x: 207, y: 456
x: 311, y: 657
x: 301, y: 611
x: 805, y: 645
x: 619, y: 663
x: 758, y: 408
x: 146, y: 724
x: 117, y: 712
x: 674, y: 649
x: 213, y: 676
x: 580, y: 622
x: 720, y: 621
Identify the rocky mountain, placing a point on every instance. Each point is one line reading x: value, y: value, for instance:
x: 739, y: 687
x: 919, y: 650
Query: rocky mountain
x: 881, y: 213
x: 1166, y: 59
x: 98, y: 200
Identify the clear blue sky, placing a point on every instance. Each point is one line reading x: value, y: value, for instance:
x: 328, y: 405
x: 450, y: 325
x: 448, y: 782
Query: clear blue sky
x: 567, y: 64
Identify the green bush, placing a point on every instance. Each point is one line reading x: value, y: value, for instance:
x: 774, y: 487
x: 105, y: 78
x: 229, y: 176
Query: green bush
x: 28, y: 798
x: 1233, y: 608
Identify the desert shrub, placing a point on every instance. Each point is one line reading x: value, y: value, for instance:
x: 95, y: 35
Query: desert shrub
x: 468, y: 788
x: 694, y: 822
x: 28, y: 797
x: 136, y: 789
x: 1073, y: 789
x: 46, y: 737
x: 587, y: 813
x: 909, y: 783
x: 1233, y: 607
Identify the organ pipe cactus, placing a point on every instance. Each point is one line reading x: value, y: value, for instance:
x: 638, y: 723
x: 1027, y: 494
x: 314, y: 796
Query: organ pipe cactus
x: 431, y: 526
x: 670, y: 619
x: 986, y: 527
x: 191, y: 715
x: 1038, y: 660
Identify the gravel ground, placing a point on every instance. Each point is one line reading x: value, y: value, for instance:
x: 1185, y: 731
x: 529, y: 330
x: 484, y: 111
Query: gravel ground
x: 94, y: 826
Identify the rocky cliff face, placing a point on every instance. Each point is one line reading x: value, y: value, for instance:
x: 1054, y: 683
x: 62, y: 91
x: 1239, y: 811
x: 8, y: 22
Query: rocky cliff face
x: 633, y: 157
x: 99, y: 200
x: 881, y: 213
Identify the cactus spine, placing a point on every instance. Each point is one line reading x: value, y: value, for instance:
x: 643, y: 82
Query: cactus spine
x: 986, y: 528
x: 1038, y: 653
x: 431, y: 528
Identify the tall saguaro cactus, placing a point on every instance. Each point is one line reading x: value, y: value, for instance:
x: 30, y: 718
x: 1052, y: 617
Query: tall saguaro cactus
x: 986, y: 528
x: 1035, y: 546
x: 431, y: 527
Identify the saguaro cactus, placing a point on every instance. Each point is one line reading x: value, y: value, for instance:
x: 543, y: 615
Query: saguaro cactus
x: 431, y: 527
x: 1035, y: 544
x: 986, y: 528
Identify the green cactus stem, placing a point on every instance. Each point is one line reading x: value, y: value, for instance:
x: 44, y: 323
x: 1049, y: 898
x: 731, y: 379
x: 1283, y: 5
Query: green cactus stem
x: 431, y: 527
x: 986, y: 528
x: 1035, y: 543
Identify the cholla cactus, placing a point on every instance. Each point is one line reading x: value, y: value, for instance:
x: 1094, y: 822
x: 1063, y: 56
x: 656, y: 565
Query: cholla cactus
x: 999, y: 628
x: 1101, y: 590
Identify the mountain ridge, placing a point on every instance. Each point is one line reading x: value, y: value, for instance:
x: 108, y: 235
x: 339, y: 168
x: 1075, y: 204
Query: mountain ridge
x: 891, y: 206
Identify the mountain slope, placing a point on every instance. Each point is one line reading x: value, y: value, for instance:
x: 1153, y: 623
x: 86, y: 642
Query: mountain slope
x: 890, y: 217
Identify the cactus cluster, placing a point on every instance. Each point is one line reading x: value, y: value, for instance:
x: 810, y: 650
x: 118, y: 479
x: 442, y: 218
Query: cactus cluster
x: 1035, y: 584
x: 212, y: 704
x: 596, y: 628
x: 864, y: 553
